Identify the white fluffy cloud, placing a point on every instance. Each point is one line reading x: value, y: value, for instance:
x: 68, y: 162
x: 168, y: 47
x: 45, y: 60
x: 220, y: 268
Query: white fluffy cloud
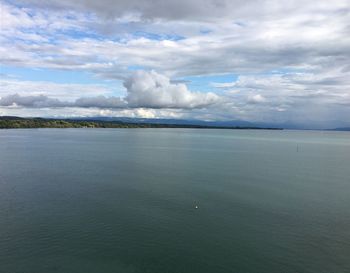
x: 153, y: 90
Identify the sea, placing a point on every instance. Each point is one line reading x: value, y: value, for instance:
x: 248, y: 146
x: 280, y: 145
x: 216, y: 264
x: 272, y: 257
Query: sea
x: 174, y: 201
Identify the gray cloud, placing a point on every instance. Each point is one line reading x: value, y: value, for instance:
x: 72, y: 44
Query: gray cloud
x: 250, y: 37
x: 100, y: 102
x: 42, y: 101
x: 165, y: 9
x: 39, y: 101
x: 189, y: 10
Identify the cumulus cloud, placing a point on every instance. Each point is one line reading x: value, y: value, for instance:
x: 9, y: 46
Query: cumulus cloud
x: 153, y: 90
x: 144, y: 90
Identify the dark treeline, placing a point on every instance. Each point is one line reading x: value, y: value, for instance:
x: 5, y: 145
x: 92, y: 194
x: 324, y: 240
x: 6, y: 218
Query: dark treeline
x: 17, y: 122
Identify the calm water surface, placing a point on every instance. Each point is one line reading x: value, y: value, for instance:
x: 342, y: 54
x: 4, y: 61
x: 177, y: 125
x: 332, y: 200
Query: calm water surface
x: 123, y: 200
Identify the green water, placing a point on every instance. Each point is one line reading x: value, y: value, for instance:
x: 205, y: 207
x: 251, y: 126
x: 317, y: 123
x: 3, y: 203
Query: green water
x: 123, y: 200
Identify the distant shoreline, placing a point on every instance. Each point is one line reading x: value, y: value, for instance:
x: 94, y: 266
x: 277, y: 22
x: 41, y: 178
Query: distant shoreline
x: 33, y: 123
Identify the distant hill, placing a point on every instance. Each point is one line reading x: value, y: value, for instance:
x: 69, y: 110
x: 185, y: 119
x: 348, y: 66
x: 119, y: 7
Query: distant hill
x: 9, y: 118
x: 341, y: 129
x: 227, y: 123
x: 230, y: 123
x: 8, y: 122
x: 126, y: 122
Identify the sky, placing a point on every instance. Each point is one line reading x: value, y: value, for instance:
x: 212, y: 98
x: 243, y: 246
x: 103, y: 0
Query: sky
x: 260, y: 60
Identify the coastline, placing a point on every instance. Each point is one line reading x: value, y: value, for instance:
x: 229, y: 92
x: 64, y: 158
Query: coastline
x: 33, y: 123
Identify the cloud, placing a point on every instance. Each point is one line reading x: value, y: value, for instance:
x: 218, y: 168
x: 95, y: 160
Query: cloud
x: 100, y: 102
x: 144, y: 90
x: 153, y: 90
x: 201, y: 10
x: 291, y: 60
x: 257, y: 98
x: 42, y: 101
x: 299, y: 97
x: 156, y: 9
x: 11, y: 85
x: 252, y: 37
x: 39, y: 101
